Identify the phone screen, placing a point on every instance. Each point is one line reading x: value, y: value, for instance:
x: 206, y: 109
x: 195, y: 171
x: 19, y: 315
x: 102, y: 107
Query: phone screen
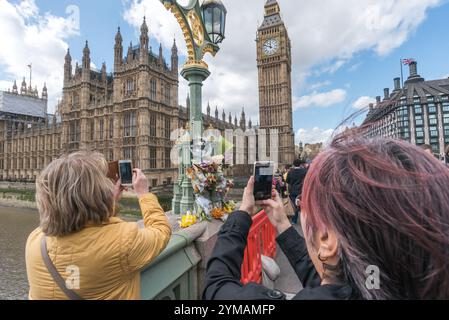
x: 126, y: 172
x: 263, y: 181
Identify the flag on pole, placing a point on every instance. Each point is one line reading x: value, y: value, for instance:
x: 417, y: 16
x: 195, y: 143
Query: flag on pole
x: 408, y: 61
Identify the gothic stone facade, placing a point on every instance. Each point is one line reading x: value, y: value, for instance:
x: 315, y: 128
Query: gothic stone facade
x: 128, y: 114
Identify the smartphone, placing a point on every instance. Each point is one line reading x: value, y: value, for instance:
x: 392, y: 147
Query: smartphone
x: 126, y: 172
x: 263, y: 180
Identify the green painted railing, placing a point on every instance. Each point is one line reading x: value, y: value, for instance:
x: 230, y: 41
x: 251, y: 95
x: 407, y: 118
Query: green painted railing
x: 173, y: 275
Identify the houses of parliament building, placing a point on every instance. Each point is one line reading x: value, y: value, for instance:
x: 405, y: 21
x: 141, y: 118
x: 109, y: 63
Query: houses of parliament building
x: 128, y: 114
x: 131, y: 113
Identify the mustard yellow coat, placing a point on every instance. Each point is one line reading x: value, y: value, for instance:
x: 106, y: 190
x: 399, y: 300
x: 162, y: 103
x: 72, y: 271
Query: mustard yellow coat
x: 109, y: 256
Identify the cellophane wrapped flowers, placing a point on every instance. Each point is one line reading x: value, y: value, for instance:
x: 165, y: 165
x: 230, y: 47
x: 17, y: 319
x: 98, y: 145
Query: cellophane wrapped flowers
x: 210, y: 188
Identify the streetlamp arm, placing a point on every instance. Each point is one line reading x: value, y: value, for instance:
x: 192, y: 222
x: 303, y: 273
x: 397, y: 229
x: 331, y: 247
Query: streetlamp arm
x: 190, y: 19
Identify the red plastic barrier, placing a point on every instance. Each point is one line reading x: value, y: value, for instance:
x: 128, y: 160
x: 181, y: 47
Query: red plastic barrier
x: 261, y: 241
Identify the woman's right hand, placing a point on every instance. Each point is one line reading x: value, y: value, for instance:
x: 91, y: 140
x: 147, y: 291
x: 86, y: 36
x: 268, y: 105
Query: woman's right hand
x: 275, y: 210
x: 140, y: 183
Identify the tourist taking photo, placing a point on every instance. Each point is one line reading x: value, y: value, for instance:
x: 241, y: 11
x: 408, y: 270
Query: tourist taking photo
x: 81, y: 239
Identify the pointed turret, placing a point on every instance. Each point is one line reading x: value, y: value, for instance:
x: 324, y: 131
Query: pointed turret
x: 161, y: 57
x: 216, y: 112
x: 208, y: 109
x: 23, y: 88
x: 118, y: 37
x: 243, y: 120
x: 86, y: 57
x: 44, y: 92
x: 14, y: 87
x: 174, y: 57
x: 230, y: 118
x: 118, y: 50
x: 129, y: 55
x: 223, y: 116
x: 144, y: 39
x: 67, y: 66
x: 235, y: 121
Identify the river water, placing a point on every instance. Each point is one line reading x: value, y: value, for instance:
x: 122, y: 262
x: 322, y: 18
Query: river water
x: 15, y: 226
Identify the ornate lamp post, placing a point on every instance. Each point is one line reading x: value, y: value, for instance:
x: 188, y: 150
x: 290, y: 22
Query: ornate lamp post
x: 203, y: 27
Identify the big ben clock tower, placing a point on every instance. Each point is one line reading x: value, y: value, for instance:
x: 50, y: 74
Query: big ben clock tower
x: 275, y: 85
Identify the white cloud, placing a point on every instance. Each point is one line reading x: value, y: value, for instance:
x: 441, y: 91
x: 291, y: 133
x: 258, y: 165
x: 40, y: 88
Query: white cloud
x: 323, y: 40
x: 320, y: 99
x: 318, y: 85
x: 363, y: 102
x: 315, y: 135
x: 31, y: 37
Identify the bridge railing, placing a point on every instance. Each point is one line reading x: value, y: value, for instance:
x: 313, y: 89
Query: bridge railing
x: 261, y: 241
x: 178, y: 272
x: 173, y: 275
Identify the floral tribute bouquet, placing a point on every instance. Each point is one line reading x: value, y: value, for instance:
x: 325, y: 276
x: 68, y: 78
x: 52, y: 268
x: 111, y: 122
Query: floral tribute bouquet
x: 210, y: 188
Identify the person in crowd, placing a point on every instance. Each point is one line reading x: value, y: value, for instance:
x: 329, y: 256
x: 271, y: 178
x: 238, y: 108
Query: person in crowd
x: 277, y: 183
x: 295, y: 180
x: 80, y: 238
x: 376, y: 225
x: 283, y: 187
x: 427, y: 148
x: 286, y: 170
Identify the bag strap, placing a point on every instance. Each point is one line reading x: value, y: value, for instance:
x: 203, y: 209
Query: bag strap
x: 55, y: 274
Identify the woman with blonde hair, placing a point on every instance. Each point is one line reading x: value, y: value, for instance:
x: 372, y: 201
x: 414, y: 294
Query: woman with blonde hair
x: 81, y: 250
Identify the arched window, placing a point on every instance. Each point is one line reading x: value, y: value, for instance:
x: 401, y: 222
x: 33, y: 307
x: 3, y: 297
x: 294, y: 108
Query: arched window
x: 153, y: 89
x: 167, y: 94
x: 111, y: 128
x: 129, y: 86
x: 130, y: 124
x: 152, y: 125
x: 75, y: 101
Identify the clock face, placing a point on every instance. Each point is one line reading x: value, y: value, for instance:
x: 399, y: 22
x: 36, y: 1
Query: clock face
x: 271, y: 46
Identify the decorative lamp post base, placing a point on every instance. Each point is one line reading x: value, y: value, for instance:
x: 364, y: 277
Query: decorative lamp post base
x: 195, y: 74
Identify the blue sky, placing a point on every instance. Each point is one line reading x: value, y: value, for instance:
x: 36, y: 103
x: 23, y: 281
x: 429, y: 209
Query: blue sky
x: 363, y: 42
x: 368, y: 73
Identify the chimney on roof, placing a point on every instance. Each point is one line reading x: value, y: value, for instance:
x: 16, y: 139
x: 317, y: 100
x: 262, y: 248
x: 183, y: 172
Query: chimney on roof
x: 397, y: 84
x: 414, y: 76
x: 386, y: 93
x: 378, y: 99
x: 371, y: 107
x: 413, y: 69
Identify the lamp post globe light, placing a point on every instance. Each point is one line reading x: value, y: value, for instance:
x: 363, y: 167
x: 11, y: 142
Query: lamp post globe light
x: 203, y: 27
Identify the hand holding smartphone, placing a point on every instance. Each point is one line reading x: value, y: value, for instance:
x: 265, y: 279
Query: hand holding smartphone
x: 263, y: 180
x: 126, y: 172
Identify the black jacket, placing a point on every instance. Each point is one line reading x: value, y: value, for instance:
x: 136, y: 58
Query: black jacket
x: 295, y: 180
x: 223, y: 269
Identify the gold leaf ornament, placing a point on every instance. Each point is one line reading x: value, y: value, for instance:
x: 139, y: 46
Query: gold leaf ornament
x: 196, y: 27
